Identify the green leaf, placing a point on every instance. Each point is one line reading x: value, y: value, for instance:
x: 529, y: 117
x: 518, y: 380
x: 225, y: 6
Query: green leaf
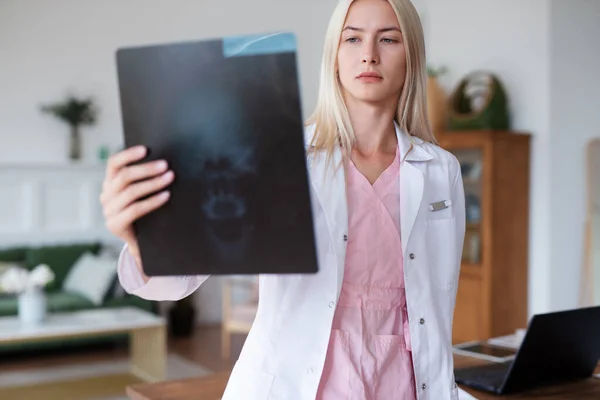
x: 74, y: 111
x: 435, y: 72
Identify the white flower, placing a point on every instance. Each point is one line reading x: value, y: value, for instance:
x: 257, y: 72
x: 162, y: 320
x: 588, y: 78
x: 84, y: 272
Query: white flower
x: 41, y: 276
x: 18, y: 280
x: 14, y: 280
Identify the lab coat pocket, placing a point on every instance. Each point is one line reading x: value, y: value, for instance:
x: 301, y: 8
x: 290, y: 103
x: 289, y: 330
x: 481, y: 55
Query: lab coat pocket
x: 335, y: 381
x: 392, y: 370
x: 442, y: 253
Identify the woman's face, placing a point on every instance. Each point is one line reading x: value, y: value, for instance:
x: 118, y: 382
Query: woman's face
x: 371, y: 56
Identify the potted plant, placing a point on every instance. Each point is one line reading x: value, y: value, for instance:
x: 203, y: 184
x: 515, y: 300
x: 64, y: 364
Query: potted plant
x: 182, y: 317
x: 29, y: 287
x: 76, y: 113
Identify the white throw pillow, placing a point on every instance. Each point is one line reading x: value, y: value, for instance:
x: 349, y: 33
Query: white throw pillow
x: 91, y: 276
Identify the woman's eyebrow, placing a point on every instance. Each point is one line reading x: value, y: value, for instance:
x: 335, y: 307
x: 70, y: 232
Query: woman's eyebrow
x: 386, y: 29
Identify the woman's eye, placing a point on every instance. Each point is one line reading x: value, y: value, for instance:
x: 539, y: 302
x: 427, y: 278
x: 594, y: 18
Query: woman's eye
x: 389, y: 40
x: 352, y: 40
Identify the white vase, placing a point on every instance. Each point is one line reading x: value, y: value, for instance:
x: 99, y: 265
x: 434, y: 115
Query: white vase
x: 32, y: 306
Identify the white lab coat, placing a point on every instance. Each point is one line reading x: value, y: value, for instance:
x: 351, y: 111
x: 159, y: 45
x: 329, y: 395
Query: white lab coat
x: 284, y: 353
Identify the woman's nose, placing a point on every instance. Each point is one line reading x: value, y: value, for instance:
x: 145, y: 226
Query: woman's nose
x: 370, y: 57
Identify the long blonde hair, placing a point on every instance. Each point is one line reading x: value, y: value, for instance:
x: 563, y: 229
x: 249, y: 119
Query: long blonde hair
x: 331, y: 117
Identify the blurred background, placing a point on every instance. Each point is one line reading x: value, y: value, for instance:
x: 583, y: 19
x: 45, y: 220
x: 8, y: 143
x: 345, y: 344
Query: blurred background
x: 513, y: 91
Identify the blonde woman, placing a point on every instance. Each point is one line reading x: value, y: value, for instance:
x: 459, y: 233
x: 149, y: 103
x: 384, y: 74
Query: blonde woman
x: 375, y: 322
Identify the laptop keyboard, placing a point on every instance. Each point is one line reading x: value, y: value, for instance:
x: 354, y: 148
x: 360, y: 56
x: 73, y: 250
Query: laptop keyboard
x: 488, y: 377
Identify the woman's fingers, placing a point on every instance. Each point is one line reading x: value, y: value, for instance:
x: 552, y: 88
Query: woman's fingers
x: 123, y: 197
x: 125, y: 184
x: 125, y: 218
x: 121, y: 159
x: 129, y: 175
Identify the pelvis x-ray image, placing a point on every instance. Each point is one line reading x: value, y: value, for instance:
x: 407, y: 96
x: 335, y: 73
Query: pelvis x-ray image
x: 226, y: 116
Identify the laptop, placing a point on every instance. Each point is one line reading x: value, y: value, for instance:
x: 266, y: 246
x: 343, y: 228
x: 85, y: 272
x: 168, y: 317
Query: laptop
x: 226, y: 115
x: 558, y: 347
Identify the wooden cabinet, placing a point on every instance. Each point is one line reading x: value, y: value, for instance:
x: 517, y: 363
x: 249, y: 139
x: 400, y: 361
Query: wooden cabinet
x: 492, y: 292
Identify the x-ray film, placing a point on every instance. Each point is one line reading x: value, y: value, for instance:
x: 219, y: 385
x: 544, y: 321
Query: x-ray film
x: 226, y: 115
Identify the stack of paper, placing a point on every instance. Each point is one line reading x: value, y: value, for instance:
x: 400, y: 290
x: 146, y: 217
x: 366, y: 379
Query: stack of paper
x: 511, y: 341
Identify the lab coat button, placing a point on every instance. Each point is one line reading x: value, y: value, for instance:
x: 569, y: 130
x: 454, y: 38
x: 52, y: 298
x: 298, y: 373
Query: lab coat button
x: 424, y: 386
x: 331, y: 304
x: 345, y: 238
x: 412, y: 256
x: 422, y: 321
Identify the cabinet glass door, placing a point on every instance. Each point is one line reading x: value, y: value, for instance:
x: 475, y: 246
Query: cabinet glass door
x: 471, y: 162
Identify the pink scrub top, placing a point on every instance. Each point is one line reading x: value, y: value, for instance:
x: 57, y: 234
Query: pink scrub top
x: 369, y: 354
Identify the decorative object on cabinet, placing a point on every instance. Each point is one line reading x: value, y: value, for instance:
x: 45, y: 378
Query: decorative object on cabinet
x: 437, y: 100
x: 479, y: 102
x: 76, y: 113
x: 473, y: 208
x: 492, y: 291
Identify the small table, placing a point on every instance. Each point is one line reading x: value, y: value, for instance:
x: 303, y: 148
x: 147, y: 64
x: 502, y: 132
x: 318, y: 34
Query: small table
x: 213, y: 386
x: 147, y: 332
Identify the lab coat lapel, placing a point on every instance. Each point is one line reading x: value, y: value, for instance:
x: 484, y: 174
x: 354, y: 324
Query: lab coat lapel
x: 411, y: 182
x: 330, y: 186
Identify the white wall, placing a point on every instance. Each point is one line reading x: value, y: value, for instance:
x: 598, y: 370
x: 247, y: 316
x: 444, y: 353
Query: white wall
x: 49, y: 47
x: 40, y: 205
x: 509, y: 38
x: 575, y: 118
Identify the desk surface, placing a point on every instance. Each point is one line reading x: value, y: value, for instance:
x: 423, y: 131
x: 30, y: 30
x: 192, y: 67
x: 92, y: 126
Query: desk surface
x: 212, y: 387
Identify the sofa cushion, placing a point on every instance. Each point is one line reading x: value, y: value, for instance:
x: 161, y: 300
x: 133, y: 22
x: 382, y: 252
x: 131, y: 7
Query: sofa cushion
x: 91, y: 277
x: 67, y: 301
x: 60, y: 259
x: 57, y: 302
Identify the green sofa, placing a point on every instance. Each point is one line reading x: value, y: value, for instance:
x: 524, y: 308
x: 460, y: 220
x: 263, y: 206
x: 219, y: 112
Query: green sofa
x: 60, y: 258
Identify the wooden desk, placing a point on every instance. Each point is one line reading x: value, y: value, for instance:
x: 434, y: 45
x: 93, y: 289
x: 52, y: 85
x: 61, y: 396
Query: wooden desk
x: 207, y: 388
x: 212, y: 387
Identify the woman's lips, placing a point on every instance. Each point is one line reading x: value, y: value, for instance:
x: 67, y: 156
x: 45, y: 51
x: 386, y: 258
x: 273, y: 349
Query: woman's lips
x: 369, y: 77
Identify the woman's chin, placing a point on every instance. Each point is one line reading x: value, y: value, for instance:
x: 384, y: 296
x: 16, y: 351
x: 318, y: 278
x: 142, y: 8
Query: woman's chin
x: 372, y: 96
